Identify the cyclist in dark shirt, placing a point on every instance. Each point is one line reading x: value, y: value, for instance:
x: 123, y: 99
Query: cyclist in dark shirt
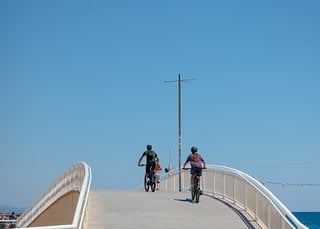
x: 151, y: 158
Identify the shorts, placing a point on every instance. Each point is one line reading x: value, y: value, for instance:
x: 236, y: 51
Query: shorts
x: 196, y: 171
x: 157, y: 178
x: 150, y: 167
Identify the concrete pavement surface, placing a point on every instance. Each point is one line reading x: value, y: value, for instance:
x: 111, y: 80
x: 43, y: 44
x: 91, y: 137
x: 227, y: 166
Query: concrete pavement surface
x: 136, y: 209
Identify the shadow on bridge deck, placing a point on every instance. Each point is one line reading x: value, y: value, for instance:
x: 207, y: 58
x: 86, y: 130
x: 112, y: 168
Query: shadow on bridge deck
x: 136, y: 209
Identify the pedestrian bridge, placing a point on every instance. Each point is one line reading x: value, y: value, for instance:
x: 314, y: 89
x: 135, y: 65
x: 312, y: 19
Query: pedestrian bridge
x: 231, y: 199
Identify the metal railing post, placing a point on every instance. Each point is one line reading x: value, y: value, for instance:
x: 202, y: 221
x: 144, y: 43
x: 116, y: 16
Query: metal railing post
x: 214, y: 183
x: 245, y: 196
x: 204, y: 181
x: 223, y: 185
x: 234, y: 189
x: 257, y: 206
x: 269, y: 216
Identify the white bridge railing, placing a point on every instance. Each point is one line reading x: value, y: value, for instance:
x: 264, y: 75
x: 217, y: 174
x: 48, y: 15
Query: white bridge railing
x: 76, y: 178
x: 240, y: 189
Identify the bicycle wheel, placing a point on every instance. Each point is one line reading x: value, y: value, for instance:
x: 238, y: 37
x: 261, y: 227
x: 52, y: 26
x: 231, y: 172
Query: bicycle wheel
x: 153, y: 186
x: 146, y: 183
x: 152, y: 182
x: 192, y: 195
x: 197, y: 195
x: 197, y: 189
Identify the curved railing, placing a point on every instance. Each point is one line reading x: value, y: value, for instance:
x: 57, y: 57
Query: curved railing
x: 241, y: 190
x: 76, y: 178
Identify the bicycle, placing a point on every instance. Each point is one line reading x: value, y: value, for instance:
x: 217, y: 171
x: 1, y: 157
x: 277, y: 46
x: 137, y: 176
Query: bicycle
x: 195, y: 189
x: 149, y: 180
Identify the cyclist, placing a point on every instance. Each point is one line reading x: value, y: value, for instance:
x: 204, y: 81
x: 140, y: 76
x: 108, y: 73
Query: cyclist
x: 151, y: 158
x: 197, y: 164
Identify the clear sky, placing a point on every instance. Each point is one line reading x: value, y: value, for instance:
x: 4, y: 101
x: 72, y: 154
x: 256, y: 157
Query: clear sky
x: 84, y: 81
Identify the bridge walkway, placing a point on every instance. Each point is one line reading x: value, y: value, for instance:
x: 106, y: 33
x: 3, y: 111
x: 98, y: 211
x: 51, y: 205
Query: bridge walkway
x: 136, y: 209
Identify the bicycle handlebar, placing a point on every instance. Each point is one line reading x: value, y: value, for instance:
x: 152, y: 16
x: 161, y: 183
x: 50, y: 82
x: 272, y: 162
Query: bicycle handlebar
x: 190, y: 168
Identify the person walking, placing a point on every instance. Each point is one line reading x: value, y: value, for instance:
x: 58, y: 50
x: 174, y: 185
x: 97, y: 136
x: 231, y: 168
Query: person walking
x: 156, y: 171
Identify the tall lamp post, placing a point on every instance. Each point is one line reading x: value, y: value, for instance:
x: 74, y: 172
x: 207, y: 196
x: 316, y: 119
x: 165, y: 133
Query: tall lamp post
x: 179, y: 119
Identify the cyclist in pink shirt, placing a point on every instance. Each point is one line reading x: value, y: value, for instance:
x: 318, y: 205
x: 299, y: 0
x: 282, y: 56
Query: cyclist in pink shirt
x: 197, y: 164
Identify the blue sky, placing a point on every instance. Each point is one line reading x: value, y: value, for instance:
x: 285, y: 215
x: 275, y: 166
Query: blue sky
x: 84, y: 81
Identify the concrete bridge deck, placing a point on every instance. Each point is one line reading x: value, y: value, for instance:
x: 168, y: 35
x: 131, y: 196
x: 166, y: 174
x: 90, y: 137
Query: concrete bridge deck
x: 136, y: 209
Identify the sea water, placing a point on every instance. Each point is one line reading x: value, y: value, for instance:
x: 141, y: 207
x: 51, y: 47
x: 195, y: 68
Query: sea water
x: 310, y: 219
